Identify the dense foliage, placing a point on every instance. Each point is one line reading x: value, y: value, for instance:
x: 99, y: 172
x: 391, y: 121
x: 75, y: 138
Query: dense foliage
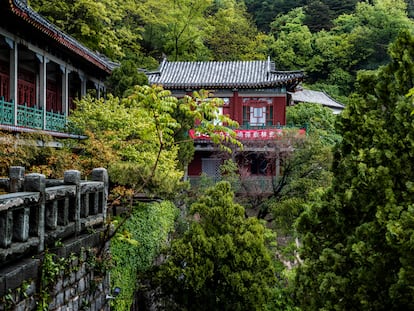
x: 319, y: 121
x: 357, y: 235
x: 136, y: 246
x: 36, y: 152
x: 143, y: 155
x: 146, y: 30
x: 144, y: 149
x: 331, y: 58
x: 357, y: 240
x: 222, y: 261
x: 308, y: 169
x: 330, y: 40
x: 264, y: 12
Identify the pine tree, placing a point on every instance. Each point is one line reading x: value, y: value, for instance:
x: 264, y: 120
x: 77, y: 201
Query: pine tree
x: 358, y: 239
x: 221, y: 262
x: 318, y: 16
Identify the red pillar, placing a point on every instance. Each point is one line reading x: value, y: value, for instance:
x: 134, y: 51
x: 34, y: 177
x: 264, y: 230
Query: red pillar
x: 237, y: 108
x: 279, y: 110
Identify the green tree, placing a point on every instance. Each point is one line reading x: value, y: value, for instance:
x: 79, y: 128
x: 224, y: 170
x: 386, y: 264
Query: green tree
x: 377, y: 24
x: 290, y: 43
x: 318, y: 16
x: 356, y: 41
x: 357, y: 240
x: 264, y: 12
x: 124, y: 78
x: 111, y: 27
x: 231, y: 34
x: 175, y: 28
x: 221, y: 262
x: 134, y: 137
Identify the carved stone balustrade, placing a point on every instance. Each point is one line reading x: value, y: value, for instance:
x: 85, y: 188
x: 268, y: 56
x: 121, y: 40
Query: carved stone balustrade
x: 34, y: 216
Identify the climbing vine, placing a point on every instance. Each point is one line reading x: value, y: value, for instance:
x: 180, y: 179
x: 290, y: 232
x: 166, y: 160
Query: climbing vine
x: 10, y: 299
x: 136, y: 247
x: 54, y: 267
x: 51, y: 268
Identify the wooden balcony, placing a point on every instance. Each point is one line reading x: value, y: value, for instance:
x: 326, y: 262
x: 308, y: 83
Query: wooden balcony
x: 15, y: 115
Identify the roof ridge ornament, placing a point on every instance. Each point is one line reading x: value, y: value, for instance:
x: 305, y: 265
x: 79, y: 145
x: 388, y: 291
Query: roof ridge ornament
x: 268, y: 67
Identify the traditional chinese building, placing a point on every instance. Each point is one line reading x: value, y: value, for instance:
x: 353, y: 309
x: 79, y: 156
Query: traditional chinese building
x: 255, y: 95
x: 315, y: 97
x: 42, y: 71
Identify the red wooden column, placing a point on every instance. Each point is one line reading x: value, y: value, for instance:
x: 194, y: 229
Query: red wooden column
x: 279, y: 110
x: 237, y: 108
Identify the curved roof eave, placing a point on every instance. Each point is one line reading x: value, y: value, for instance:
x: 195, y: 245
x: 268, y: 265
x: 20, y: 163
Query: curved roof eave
x: 26, y: 13
x: 223, y: 74
x: 227, y: 86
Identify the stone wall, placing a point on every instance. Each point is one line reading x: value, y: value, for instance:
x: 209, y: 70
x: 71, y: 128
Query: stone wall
x: 50, y: 233
x: 78, y: 283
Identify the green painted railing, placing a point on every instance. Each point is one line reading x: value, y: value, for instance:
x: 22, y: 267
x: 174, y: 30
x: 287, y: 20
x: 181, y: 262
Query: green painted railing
x: 55, y: 121
x: 31, y: 117
x: 6, y: 112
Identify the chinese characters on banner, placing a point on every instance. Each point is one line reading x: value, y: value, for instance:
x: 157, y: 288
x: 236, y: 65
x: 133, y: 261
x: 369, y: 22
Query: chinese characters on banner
x: 262, y: 134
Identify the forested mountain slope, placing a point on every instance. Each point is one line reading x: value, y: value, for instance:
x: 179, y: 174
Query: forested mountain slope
x: 330, y: 39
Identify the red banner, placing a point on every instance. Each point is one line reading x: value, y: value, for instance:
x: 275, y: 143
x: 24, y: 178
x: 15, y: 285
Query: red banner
x: 263, y: 134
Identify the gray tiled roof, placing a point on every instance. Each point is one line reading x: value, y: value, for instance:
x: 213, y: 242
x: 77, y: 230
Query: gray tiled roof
x: 316, y: 97
x: 215, y: 75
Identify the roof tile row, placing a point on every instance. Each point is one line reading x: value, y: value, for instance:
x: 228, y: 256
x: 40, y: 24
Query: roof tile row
x: 226, y: 74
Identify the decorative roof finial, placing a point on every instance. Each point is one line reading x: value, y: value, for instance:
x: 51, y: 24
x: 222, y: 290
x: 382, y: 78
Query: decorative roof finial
x: 268, y: 67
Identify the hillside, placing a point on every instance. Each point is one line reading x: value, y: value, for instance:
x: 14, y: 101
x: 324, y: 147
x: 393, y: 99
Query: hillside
x: 330, y: 39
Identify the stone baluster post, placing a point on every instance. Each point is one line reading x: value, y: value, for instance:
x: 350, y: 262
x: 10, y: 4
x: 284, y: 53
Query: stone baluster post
x: 85, y: 204
x: 16, y: 178
x: 73, y: 177
x: 37, y: 183
x: 101, y: 174
x: 52, y: 215
x: 6, y: 225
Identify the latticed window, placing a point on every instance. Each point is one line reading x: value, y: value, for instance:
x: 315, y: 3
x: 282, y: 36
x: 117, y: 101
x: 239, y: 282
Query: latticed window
x: 53, y: 97
x: 26, y: 88
x: 257, y: 112
x: 4, y: 86
x: 4, y: 81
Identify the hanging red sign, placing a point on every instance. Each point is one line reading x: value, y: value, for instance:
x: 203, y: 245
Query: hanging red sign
x: 262, y: 134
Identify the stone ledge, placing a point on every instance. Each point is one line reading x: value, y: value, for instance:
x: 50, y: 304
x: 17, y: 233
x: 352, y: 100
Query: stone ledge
x: 17, y: 250
x: 14, y: 276
x: 74, y: 245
